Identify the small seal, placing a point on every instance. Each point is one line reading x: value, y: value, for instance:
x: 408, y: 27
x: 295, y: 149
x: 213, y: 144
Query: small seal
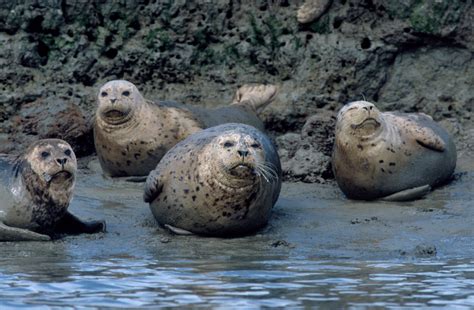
x: 35, y: 189
x: 132, y: 134
x: 222, y: 181
x: 390, y: 155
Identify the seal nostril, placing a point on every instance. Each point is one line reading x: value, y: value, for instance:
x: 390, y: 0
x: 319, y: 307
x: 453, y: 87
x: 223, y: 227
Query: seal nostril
x: 113, y: 100
x: 243, y: 153
x: 61, y: 161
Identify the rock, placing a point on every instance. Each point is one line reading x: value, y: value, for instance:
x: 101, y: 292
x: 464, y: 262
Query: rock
x: 311, y: 10
x: 404, y: 55
x: 425, y: 250
x: 49, y: 118
x: 306, y: 157
x: 319, y: 131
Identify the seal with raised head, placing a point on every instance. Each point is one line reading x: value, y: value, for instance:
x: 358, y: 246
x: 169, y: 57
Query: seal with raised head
x: 132, y: 134
x: 35, y: 189
x: 389, y: 155
x: 222, y: 181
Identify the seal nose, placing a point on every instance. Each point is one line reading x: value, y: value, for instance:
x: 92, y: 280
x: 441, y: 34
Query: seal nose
x: 112, y: 100
x: 243, y: 153
x: 61, y: 161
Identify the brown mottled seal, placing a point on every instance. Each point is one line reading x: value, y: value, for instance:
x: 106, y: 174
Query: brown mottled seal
x: 222, y: 181
x: 35, y: 189
x: 132, y: 134
x: 394, y: 156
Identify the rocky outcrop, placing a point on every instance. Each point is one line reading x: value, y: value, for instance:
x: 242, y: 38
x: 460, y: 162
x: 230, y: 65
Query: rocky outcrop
x: 411, y: 55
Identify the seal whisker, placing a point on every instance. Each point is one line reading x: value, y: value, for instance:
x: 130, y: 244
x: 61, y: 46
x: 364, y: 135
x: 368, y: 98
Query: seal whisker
x: 271, y: 169
x: 267, y: 171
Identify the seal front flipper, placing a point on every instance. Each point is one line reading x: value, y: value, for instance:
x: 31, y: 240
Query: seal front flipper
x: 409, y: 194
x: 8, y: 233
x: 153, y: 186
x: 426, y: 137
x: 71, y: 225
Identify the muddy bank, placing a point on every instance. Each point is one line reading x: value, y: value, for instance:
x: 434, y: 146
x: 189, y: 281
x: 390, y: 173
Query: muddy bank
x: 308, y: 221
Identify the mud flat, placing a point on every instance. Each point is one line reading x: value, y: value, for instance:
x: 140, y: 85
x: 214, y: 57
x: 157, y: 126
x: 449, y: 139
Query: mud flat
x: 309, y: 220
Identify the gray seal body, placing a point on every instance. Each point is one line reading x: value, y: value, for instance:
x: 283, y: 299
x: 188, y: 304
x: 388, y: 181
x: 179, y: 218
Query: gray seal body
x: 394, y: 156
x: 36, y: 188
x: 222, y: 181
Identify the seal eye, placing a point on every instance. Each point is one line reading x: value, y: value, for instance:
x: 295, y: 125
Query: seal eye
x: 104, y: 94
x: 126, y: 93
x: 44, y: 155
x: 228, y: 144
x: 67, y: 153
x: 255, y: 145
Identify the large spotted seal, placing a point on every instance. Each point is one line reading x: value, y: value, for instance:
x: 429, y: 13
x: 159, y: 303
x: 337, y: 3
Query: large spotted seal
x: 132, y: 134
x: 395, y: 156
x: 35, y: 189
x: 221, y: 181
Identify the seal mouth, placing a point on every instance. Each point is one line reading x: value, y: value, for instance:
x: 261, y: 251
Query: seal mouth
x: 366, y: 123
x: 242, y: 169
x: 63, y: 174
x: 114, y: 114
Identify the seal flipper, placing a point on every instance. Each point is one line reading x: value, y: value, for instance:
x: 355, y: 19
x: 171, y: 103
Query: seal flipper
x: 426, y: 137
x: 257, y: 96
x: 153, y: 186
x: 178, y: 231
x: 8, y: 233
x: 409, y: 194
x: 71, y: 225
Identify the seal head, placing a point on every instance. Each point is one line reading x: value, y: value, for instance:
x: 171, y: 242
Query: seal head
x: 117, y: 101
x: 236, y: 160
x: 359, y: 119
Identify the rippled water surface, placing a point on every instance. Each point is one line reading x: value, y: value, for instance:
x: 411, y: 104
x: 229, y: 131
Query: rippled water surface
x: 236, y: 281
x: 318, y: 250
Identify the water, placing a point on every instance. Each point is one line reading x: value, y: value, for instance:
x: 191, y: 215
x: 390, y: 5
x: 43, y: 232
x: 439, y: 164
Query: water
x: 239, y: 282
x: 319, y: 250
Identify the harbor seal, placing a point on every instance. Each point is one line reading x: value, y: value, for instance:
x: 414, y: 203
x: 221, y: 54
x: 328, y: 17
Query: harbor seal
x: 35, y: 189
x: 222, y: 181
x: 132, y: 134
x: 389, y: 155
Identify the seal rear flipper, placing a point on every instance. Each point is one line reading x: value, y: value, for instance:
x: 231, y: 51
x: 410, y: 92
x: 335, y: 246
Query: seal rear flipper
x: 136, y: 179
x: 178, y: 231
x: 409, y: 194
x: 71, y: 225
x: 8, y: 233
x: 257, y: 96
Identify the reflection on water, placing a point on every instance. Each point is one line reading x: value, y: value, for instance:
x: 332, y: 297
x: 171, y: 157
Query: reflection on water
x: 131, y: 282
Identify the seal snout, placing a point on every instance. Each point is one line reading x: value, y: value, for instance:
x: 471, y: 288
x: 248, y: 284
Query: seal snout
x: 61, y: 161
x: 243, y: 153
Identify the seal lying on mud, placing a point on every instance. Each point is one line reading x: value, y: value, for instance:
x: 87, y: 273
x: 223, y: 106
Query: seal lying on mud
x: 222, y: 181
x: 394, y: 156
x: 35, y: 189
x: 132, y: 134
